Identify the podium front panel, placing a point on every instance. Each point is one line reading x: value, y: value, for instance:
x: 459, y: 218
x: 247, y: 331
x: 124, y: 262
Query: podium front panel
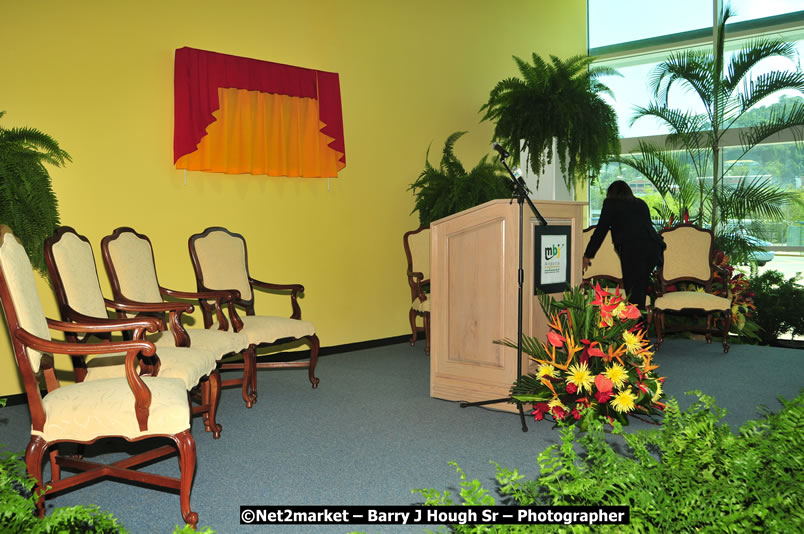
x: 474, y: 294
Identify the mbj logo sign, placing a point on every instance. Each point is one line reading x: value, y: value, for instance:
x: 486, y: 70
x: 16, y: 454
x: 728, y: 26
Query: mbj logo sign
x: 553, y: 252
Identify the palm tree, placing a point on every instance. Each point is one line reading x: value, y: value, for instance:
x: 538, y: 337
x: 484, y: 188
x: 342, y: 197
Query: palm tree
x: 27, y: 202
x: 681, y: 169
x: 561, y: 100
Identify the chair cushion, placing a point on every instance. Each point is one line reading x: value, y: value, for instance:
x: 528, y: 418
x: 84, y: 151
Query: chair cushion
x: 267, y: 329
x: 421, y: 307
x: 218, y: 342
x: 691, y: 300
x: 88, y: 410
x: 188, y: 364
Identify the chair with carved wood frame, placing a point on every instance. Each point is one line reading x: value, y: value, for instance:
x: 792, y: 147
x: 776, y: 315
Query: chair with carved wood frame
x: 689, y: 258
x: 606, y: 266
x: 220, y: 261
x: 129, y: 261
x: 417, y: 252
x: 71, y: 264
x: 133, y: 408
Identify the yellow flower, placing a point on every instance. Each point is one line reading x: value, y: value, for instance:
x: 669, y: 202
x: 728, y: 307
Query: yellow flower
x: 658, y: 394
x: 617, y: 374
x: 580, y: 376
x: 557, y: 402
x: 623, y: 401
x: 632, y: 342
x: 617, y: 312
x: 546, y: 369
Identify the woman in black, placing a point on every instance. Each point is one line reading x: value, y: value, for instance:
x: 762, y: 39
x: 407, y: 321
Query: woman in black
x: 635, y: 239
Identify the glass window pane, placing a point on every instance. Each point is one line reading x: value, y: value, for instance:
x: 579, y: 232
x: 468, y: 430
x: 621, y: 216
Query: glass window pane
x: 620, y: 21
x: 752, y: 9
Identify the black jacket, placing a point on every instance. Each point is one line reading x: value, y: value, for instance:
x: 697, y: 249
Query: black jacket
x: 630, y: 226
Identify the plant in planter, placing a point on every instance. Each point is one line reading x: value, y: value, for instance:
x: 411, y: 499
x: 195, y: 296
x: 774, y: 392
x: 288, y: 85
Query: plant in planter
x: 779, y: 306
x: 596, y: 357
x: 558, y: 100
x: 448, y: 189
x: 689, y: 171
x: 27, y: 202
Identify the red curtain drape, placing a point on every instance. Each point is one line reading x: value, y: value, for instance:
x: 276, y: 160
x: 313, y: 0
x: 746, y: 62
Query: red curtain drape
x: 199, y: 77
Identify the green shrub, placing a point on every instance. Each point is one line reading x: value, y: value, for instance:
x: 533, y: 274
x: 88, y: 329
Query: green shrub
x: 692, y: 474
x: 780, y: 305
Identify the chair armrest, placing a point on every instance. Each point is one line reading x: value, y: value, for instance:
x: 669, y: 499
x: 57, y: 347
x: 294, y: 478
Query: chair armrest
x: 294, y: 289
x: 142, y: 395
x: 174, y: 310
x: 219, y: 296
x: 94, y: 325
x: 416, y: 280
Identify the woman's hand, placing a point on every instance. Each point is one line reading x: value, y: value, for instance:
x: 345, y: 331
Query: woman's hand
x: 586, y: 263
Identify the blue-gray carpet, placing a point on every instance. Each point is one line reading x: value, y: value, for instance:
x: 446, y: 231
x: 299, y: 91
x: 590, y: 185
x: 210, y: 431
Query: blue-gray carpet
x: 371, y: 433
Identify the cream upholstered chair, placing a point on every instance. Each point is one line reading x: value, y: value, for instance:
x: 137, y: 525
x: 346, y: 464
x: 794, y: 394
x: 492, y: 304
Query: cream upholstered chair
x: 417, y: 252
x: 688, y: 258
x: 133, y: 408
x: 129, y: 261
x: 606, y: 263
x: 606, y: 266
x: 71, y: 264
x: 220, y: 261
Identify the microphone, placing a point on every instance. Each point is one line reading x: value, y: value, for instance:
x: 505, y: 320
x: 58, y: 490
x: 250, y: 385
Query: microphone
x: 503, y: 153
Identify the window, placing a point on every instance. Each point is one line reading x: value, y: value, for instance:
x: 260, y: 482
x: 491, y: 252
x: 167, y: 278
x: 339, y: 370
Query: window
x: 633, y: 37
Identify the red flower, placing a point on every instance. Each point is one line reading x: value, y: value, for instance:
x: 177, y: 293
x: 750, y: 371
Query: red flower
x: 572, y: 389
x: 603, y: 396
x: 558, y: 412
x: 603, y: 384
x: 539, y: 409
x: 575, y: 414
x: 556, y: 339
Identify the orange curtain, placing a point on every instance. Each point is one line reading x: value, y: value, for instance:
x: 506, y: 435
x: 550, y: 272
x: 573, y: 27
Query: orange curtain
x: 240, y: 115
x: 264, y: 133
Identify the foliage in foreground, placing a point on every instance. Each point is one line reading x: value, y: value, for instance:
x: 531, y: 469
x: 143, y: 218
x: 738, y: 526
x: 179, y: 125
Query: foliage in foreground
x: 691, y: 474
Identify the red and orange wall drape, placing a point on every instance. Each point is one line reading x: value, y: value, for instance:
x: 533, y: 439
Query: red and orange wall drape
x: 239, y: 115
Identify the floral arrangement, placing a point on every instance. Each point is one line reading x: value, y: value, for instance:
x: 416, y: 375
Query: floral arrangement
x: 596, y: 357
x: 737, y: 288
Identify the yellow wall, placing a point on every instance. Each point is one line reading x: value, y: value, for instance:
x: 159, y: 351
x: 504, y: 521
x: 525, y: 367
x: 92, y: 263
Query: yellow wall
x: 98, y: 77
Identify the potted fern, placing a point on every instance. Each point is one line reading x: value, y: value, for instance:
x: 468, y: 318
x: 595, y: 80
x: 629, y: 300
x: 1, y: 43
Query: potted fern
x: 27, y: 202
x: 556, y: 100
x: 449, y: 188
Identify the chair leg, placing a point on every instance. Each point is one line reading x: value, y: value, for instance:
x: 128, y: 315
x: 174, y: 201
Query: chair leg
x: 658, y: 324
x: 708, y: 334
x: 413, y: 328
x: 427, y: 333
x: 34, y: 456
x: 726, y: 327
x: 250, y: 376
x: 186, y: 446
x: 213, y: 388
x: 314, y: 346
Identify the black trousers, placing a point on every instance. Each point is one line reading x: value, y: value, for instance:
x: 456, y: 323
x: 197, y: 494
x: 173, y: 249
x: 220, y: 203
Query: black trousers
x: 638, y: 262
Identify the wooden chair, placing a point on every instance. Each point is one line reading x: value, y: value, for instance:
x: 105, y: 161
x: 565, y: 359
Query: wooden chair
x: 689, y: 258
x: 129, y: 261
x: 71, y: 264
x: 133, y: 408
x: 220, y: 261
x: 417, y: 252
x: 606, y: 266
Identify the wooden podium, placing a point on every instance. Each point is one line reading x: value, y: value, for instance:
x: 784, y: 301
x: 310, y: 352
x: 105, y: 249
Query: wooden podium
x: 474, y: 292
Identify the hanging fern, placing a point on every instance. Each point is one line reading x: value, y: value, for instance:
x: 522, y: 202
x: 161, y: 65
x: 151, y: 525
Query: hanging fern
x: 28, y: 204
x: 448, y: 189
x: 559, y: 99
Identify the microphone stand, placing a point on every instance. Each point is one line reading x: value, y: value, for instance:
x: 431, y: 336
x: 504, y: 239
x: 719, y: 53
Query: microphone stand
x: 520, y: 191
